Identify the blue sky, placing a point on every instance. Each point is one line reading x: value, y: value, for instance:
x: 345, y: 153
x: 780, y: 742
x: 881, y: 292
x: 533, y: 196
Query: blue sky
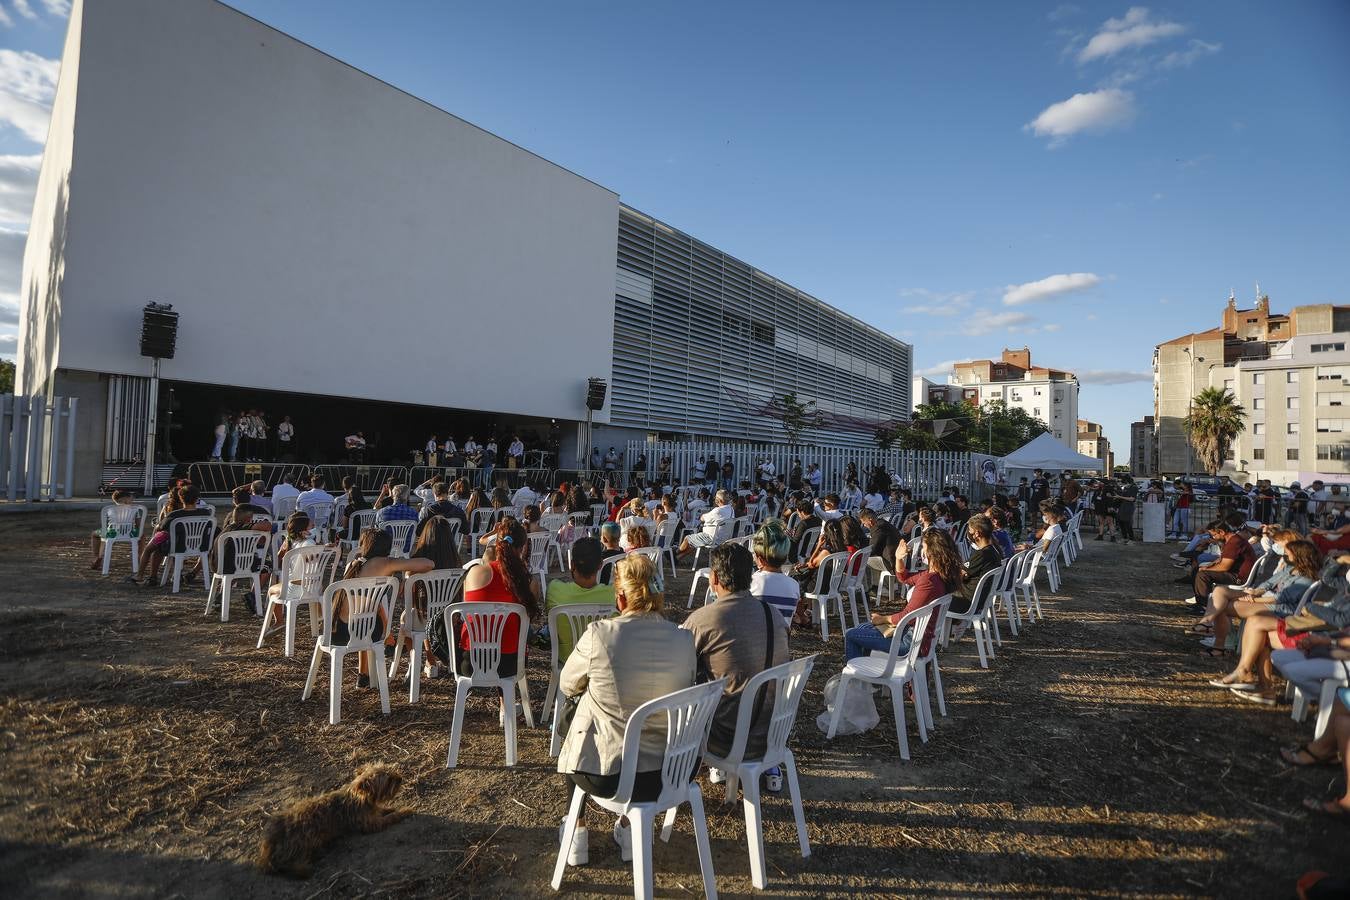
x: 1085, y: 179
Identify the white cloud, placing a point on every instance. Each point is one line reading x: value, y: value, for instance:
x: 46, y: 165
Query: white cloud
x: 983, y: 322
x: 1136, y: 29
x: 943, y: 368
x: 11, y: 273
x: 1093, y: 112
x: 58, y: 8
x: 27, y: 86
x: 9, y: 344
x: 18, y: 181
x: 1181, y: 59
x: 1112, y: 376
x: 9, y: 309
x: 22, y: 8
x: 938, y: 303
x: 1052, y: 286
x: 5, y: 19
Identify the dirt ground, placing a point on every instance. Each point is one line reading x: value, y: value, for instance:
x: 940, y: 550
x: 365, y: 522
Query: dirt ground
x: 145, y: 745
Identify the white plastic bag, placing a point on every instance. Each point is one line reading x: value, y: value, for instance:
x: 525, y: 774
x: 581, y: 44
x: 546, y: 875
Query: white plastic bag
x: 859, y: 713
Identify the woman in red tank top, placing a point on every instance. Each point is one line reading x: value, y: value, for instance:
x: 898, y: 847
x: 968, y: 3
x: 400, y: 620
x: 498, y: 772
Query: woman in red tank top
x: 504, y: 578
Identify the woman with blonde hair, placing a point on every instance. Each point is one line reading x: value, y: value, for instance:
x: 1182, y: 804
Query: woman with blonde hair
x: 617, y: 665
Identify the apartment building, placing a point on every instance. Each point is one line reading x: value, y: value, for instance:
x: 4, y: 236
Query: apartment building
x: 1050, y: 395
x: 1287, y: 371
x: 1093, y: 442
x: 1143, y: 448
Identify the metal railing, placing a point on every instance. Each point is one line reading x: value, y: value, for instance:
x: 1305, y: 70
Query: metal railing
x: 37, y: 447
x: 220, y: 478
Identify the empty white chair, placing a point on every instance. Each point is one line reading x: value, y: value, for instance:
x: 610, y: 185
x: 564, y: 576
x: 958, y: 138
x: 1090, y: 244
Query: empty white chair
x: 121, y: 523
x: 893, y: 672
x: 577, y: 617
x: 305, y: 573
x: 189, y: 538
x: 687, y: 715
x: 485, y: 624
x: 366, y: 600
x: 829, y: 589
x: 1026, y: 584
x: 788, y: 683
x: 1005, y: 592
x: 440, y: 587
x: 401, y: 537
x: 243, y: 548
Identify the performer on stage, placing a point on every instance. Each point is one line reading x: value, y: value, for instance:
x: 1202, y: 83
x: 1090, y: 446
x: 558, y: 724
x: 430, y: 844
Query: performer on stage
x: 356, y: 447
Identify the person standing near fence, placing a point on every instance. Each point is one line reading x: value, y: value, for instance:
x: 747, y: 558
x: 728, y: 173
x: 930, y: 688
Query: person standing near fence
x: 1296, y: 516
x: 1181, y: 515
x: 1127, y: 493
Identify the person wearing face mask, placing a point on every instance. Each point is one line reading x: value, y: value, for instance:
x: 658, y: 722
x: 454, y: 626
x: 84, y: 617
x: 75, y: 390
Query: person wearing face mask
x: 1297, y: 566
x: 1337, y: 535
x: 1053, y: 515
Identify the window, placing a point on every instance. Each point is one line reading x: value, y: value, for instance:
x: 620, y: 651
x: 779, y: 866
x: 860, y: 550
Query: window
x: 1258, y: 378
x: 1258, y: 453
x: 1258, y: 403
x: 1291, y: 403
x: 1332, y: 451
x: 1258, y: 428
x: 1330, y: 373
x: 1036, y: 411
x: 1291, y: 377
x: 1327, y: 348
x: 1330, y: 426
x: 1291, y: 428
x: 1332, y: 398
x: 1038, y: 392
x: 1017, y: 396
x: 1291, y: 453
x: 1228, y: 384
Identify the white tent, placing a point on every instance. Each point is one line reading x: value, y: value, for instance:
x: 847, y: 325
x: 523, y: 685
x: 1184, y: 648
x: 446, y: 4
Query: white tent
x: 1047, y: 453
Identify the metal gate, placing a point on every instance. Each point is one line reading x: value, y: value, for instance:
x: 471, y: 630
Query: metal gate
x: 37, y: 447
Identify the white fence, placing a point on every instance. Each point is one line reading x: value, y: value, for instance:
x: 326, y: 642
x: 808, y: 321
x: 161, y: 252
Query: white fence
x: 37, y: 447
x: 925, y: 472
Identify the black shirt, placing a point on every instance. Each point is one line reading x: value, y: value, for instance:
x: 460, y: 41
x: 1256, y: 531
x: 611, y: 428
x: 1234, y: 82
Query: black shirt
x: 886, y: 541
x: 985, y: 559
x: 444, y: 508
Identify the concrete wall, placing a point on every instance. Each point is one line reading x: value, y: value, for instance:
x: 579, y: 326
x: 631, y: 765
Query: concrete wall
x: 91, y: 420
x: 318, y: 230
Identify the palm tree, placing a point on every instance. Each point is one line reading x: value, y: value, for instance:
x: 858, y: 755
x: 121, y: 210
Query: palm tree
x: 1214, y: 422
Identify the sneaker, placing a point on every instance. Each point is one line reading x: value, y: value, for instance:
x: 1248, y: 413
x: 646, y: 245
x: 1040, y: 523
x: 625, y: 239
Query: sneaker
x: 1178, y: 557
x: 716, y: 776
x: 773, y: 780
x: 623, y: 836
x: 1184, y: 564
x: 579, y: 854
x: 431, y: 670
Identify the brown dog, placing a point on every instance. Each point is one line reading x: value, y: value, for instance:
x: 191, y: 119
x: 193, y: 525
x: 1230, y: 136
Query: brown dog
x: 295, y: 836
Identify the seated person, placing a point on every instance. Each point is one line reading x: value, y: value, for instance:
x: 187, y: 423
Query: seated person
x: 806, y: 573
x: 769, y: 583
x: 441, y: 505
x: 984, y: 558
x: 942, y: 577
x: 1232, y: 567
x: 121, y: 498
x: 609, y: 546
x: 182, y: 505
x: 1053, y: 515
x: 372, y: 560
x: 711, y: 524
x: 999, y: 518
x: 583, y: 588
x: 504, y: 579
x: 885, y: 542
x: 806, y: 520
x: 616, y: 666
x: 1295, y: 573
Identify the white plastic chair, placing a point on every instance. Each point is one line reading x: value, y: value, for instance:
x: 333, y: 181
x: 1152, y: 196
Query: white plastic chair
x: 788, y: 686
x: 121, y: 524
x: 401, y: 537
x: 578, y: 617
x: 929, y: 662
x: 894, y: 673
x: 665, y: 541
x: 688, y: 715
x: 829, y: 588
x: 1005, y: 592
x: 485, y: 624
x: 321, y: 518
x: 440, y: 586
x: 855, y: 583
x: 479, y: 526
x: 246, y: 547
x: 807, y: 544
x: 305, y: 573
x: 723, y: 533
x: 980, y: 615
x: 283, y: 508
x: 1051, y: 562
x: 1026, y: 585
x: 357, y: 522
x: 366, y: 599
x: 189, y: 538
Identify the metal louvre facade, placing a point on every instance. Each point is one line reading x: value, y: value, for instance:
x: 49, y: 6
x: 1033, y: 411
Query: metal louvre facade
x: 703, y: 341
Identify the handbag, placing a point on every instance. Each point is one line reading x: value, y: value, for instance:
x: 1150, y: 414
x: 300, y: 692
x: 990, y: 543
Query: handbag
x: 1304, y: 622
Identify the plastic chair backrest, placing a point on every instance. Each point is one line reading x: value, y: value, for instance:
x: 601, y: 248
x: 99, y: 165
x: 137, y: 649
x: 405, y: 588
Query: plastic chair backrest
x: 652, y: 553
x: 195, y: 532
x: 539, y: 543
x: 485, y: 623
x: 985, y: 589
x: 836, y: 564
x: 577, y: 617
x: 665, y: 532
x: 808, y: 542
x: 440, y: 587
x: 312, y: 567
x: 124, y: 520
x: 401, y: 535
x: 857, y: 565
x: 244, y: 543
x: 283, y: 508
x: 1262, y: 569
x: 940, y: 607
x: 364, y: 599
x: 359, y: 521
x: 1308, y: 596
x: 788, y: 687
x: 482, y: 516
x: 1031, y: 562
x: 320, y: 514
x: 917, y: 622
x: 688, y: 715
x: 599, y: 513
x: 1012, y: 566
x: 552, y: 521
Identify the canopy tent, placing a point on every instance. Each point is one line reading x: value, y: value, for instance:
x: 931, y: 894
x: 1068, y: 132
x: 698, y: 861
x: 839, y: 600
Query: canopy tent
x: 1045, y: 452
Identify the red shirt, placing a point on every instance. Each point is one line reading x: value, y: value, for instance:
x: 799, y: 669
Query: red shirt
x: 1240, y: 552
x: 925, y: 587
x: 495, y: 591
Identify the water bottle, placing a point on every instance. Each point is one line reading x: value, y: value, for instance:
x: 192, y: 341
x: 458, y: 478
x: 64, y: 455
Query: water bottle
x: 111, y: 532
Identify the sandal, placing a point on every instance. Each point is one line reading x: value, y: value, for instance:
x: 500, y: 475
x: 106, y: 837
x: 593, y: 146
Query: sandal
x: 1214, y: 653
x: 1332, y: 809
x: 1222, y: 682
x: 1201, y: 628
x: 1290, y: 755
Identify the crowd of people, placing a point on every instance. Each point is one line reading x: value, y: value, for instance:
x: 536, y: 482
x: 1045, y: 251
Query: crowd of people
x: 246, y: 436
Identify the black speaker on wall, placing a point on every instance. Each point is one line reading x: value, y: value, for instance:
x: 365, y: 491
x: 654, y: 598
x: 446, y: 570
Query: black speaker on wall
x: 159, y: 330
x: 595, y: 393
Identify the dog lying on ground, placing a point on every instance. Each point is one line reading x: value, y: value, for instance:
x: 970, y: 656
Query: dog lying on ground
x: 294, y: 837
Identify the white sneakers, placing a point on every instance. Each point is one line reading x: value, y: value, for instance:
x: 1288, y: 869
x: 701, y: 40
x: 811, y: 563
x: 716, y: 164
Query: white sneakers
x: 773, y: 781
x: 623, y: 836
x: 579, y: 854
x: 716, y: 776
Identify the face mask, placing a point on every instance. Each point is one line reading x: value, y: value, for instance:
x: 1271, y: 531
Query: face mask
x: 1278, y: 547
x: 1045, y: 519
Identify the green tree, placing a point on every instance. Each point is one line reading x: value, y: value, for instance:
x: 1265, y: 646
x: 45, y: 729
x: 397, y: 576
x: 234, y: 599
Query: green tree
x: 992, y: 428
x: 796, y: 416
x: 1214, y: 422
x: 6, y: 377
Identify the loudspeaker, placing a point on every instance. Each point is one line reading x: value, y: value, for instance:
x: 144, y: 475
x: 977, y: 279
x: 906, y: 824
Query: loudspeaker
x: 595, y: 393
x: 159, y: 330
